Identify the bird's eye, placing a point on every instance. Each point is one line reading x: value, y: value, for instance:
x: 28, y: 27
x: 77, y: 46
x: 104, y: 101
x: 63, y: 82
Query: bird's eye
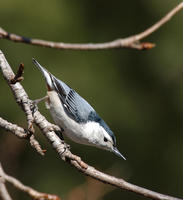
x: 105, y: 139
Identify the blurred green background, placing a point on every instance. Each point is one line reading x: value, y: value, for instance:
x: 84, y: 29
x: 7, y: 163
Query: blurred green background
x: 138, y: 93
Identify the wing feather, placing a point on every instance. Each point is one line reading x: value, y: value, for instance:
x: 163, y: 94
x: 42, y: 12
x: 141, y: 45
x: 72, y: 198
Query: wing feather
x: 74, y: 105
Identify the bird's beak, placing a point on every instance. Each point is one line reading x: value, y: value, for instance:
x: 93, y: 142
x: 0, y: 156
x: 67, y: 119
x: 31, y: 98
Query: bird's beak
x: 116, y: 151
x: 45, y: 73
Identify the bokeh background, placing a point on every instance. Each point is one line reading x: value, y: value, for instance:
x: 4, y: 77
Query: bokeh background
x: 138, y: 93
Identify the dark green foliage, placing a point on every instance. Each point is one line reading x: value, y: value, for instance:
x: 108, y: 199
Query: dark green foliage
x: 138, y: 93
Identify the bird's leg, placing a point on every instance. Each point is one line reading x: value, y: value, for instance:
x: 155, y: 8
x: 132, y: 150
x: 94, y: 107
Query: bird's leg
x: 60, y: 135
x: 35, y: 102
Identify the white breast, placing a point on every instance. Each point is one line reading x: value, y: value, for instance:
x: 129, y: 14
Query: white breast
x: 80, y: 133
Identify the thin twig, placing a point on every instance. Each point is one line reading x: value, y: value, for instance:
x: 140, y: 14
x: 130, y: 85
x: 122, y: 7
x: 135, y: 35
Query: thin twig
x: 30, y: 191
x: 132, y: 42
x: 21, y: 133
x: 64, y: 153
x: 161, y: 22
x: 4, y: 195
x: 129, y: 42
x: 18, y: 77
x: 13, y: 128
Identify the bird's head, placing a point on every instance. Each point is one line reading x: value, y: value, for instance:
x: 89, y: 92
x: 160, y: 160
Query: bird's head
x: 101, y: 135
x: 108, y: 142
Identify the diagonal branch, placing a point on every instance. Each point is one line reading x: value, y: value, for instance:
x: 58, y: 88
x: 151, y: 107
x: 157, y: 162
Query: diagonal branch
x: 25, y: 103
x: 160, y: 23
x: 132, y: 42
x: 30, y: 191
x: 62, y: 148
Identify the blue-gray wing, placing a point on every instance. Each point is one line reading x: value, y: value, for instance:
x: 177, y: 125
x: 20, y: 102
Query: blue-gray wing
x: 75, y: 106
x: 78, y: 108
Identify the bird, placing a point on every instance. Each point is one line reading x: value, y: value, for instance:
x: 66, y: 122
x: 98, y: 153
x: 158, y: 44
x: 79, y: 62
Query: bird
x: 75, y: 116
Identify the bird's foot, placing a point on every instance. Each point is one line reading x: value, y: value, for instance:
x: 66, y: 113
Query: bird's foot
x: 60, y: 135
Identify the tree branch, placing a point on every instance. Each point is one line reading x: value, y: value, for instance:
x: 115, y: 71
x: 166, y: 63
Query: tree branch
x: 13, y: 128
x: 62, y: 148
x: 160, y: 23
x: 21, y: 133
x: 4, y: 195
x: 30, y: 191
x: 132, y: 42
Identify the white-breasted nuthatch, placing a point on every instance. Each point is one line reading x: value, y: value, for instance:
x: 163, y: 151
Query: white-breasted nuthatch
x: 75, y: 116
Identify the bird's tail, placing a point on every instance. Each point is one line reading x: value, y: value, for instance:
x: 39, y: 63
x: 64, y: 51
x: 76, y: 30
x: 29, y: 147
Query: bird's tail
x: 45, y: 73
